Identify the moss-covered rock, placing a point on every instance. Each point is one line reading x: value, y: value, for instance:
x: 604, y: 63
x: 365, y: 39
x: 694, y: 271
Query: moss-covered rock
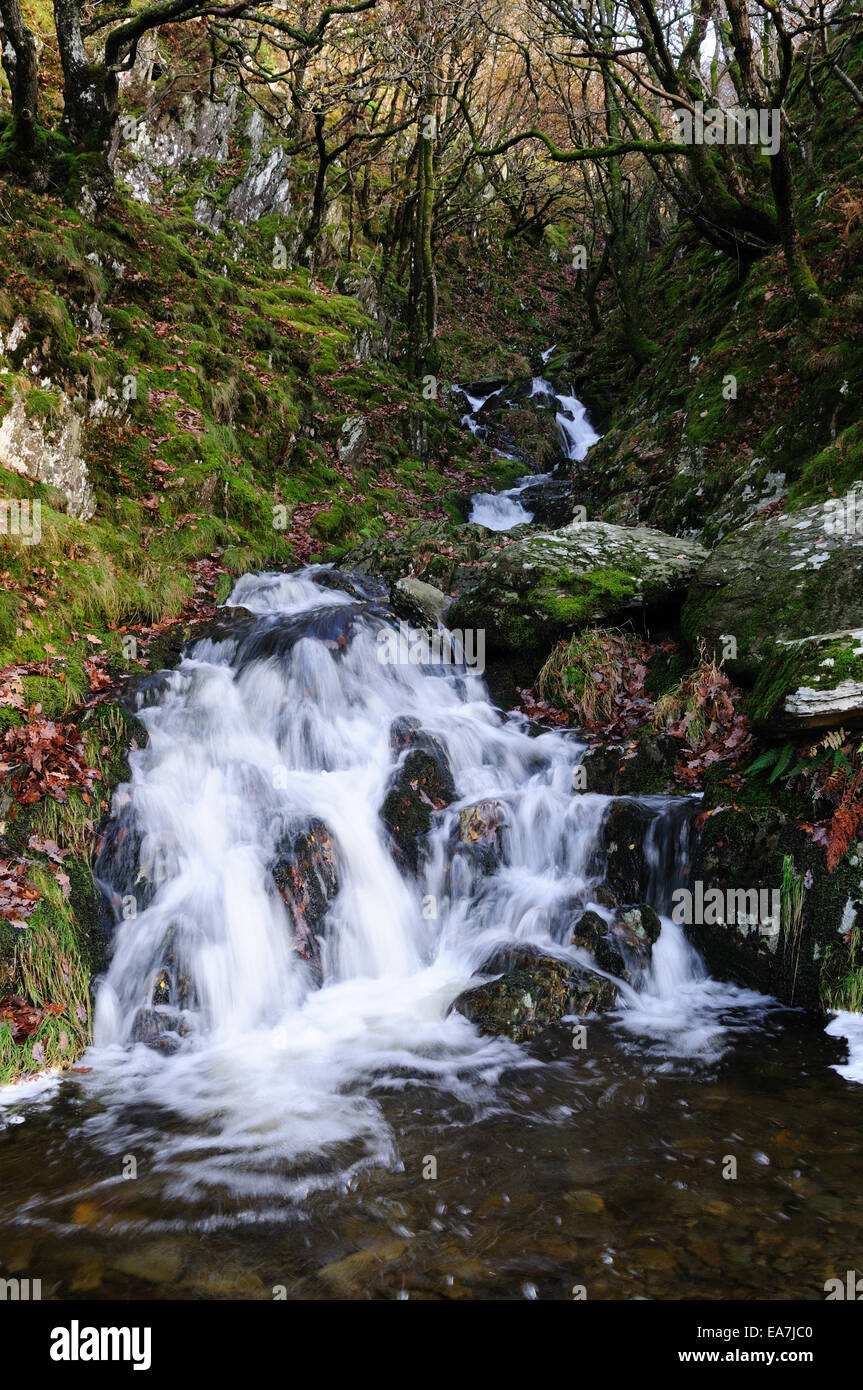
x: 781, y: 578
x: 534, y: 992
x: 641, y: 767
x: 545, y: 585
x: 422, y: 785
x: 813, y: 683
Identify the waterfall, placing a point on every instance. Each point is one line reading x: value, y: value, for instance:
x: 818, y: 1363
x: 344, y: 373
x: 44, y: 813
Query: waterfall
x: 280, y: 723
x: 501, y: 511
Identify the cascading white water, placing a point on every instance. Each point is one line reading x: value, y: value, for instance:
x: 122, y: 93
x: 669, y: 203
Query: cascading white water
x: 501, y: 511
x: 287, y: 723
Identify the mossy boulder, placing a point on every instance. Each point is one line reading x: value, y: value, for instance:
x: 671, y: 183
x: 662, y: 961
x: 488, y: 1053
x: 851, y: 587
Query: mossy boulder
x: 419, y: 603
x: 813, y: 683
x: 781, y: 578
x: 548, y: 584
x: 630, y: 769
x: 436, y: 552
x: 534, y: 992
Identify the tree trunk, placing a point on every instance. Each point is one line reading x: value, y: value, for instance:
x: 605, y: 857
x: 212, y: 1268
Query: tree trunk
x: 808, y: 297
x: 90, y: 90
x: 18, y: 49
x: 423, y: 293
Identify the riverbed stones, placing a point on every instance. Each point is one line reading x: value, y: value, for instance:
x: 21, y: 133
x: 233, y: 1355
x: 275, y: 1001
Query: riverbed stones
x: 779, y: 578
x: 549, y: 584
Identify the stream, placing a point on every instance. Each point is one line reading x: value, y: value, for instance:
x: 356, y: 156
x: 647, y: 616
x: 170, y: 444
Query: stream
x: 266, y: 1106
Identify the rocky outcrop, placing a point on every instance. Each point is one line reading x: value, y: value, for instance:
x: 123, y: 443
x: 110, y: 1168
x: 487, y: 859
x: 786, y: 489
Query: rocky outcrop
x: 352, y: 444
x: 810, y: 684
x: 741, y: 853
x: 546, y: 585
x: 49, y: 450
x: 779, y: 578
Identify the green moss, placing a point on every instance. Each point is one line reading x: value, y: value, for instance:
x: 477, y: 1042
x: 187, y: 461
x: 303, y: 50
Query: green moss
x: 784, y: 669
x: 575, y: 599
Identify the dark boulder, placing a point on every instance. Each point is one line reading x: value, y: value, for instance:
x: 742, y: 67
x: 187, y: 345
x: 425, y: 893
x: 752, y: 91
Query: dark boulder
x: 423, y: 784
x: 306, y: 874
x: 635, y: 769
x: 535, y: 992
x: 621, y: 858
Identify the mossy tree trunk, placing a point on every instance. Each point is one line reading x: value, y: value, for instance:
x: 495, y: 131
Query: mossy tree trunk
x: 20, y: 63
x: 806, y: 293
x: 90, y: 90
x: 423, y: 291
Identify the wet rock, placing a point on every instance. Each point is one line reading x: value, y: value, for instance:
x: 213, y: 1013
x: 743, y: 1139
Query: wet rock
x: 481, y: 823
x: 539, y: 992
x: 588, y: 930
x: 629, y: 769
x: 260, y: 636
x: 604, y: 896
x: 553, y: 502
x: 549, y: 584
x: 621, y: 859
x: 306, y: 874
x: 634, y: 934
x: 359, y: 586
x: 422, y: 785
x: 780, y: 577
x: 421, y: 604
x: 162, y: 1029
x: 480, y: 835
x: 608, y: 958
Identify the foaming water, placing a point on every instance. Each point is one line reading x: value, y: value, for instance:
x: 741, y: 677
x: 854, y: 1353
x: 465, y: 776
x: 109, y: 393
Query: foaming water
x: 501, y: 511
x: 281, y: 722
